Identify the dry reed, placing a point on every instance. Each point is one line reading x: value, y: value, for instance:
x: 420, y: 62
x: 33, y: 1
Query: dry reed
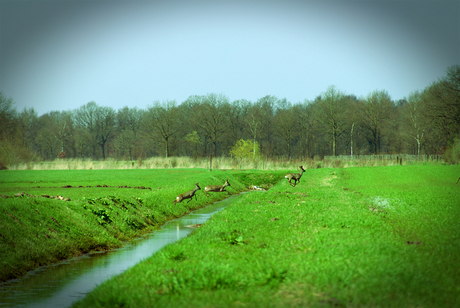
x: 225, y: 163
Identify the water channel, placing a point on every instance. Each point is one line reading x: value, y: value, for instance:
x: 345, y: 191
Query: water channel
x: 62, y: 284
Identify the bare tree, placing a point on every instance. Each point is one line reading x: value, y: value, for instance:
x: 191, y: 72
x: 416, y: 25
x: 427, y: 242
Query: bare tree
x: 192, y: 140
x: 48, y: 145
x: 162, y: 123
x: 13, y: 148
x: 105, y: 125
x: 265, y: 110
x: 413, y: 119
x: 212, y: 118
x: 238, y: 111
x: 7, y: 116
x: 307, y: 128
x: 443, y: 104
x: 286, y: 124
x: 63, y: 127
x: 254, y: 125
x: 28, y: 121
x: 98, y: 121
x: 376, y: 112
x: 129, y: 123
x: 52, y: 133
x: 331, y: 112
x: 85, y: 119
x: 353, y: 119
x: 130, y: 119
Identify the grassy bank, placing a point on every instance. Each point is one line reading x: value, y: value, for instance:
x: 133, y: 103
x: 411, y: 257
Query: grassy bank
x: 372, y: 237
x: 107, y: 207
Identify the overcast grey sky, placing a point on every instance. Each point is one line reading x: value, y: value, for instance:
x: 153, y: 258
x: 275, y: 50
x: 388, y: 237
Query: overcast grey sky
x: 61, y: 54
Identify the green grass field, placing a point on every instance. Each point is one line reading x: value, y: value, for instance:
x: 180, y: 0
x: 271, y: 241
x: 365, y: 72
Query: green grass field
x: 37, y: 231
x: 371, y: 236
x: 357, y: 237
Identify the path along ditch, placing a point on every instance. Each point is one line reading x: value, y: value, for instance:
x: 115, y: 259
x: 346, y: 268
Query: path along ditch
x: 63, y: 284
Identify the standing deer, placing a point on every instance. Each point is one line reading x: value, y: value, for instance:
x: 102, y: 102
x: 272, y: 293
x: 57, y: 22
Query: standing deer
x: 188, y: 195
x: 216, y: 188
x: 295, y: 176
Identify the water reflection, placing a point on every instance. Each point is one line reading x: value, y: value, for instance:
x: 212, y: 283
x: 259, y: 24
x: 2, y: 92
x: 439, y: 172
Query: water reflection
x: 62, y: 284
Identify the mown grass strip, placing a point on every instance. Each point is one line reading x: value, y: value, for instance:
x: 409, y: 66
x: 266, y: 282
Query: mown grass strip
x: 383, y: 237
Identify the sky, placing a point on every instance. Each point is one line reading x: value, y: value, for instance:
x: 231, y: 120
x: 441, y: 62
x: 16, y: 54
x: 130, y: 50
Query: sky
x: 62, y: 54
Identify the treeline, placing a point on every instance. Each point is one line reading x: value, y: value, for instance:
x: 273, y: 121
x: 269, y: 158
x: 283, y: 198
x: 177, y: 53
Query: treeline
x: 335, y: 123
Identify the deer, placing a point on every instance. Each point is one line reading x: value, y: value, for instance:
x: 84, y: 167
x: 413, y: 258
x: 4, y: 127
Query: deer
x: 188, y: 195
x: 295, y: 176
x: 216, y: 188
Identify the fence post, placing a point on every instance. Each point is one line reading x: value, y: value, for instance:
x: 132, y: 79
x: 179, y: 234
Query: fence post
x: 210, y: 162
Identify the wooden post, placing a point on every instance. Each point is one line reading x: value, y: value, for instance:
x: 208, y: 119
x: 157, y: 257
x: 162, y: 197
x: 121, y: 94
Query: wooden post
x: 210, y: 162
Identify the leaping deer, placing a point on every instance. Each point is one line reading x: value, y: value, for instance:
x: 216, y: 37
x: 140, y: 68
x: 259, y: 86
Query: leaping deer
x: 188, y: 195
x: 295, y: 176
x: 217, y: 188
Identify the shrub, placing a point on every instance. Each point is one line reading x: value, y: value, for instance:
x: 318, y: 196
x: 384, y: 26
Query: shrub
x: 246, y: 149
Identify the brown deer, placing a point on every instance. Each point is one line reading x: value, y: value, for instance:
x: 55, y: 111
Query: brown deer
x: 295, y: 176
x: 216, y: 188
x: 188, y: 195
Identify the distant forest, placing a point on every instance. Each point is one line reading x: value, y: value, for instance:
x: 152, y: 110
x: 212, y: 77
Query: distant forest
x: 334, y: 123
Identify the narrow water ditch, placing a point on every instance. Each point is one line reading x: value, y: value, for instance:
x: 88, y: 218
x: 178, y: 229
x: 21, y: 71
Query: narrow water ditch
x: 62, y: 284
